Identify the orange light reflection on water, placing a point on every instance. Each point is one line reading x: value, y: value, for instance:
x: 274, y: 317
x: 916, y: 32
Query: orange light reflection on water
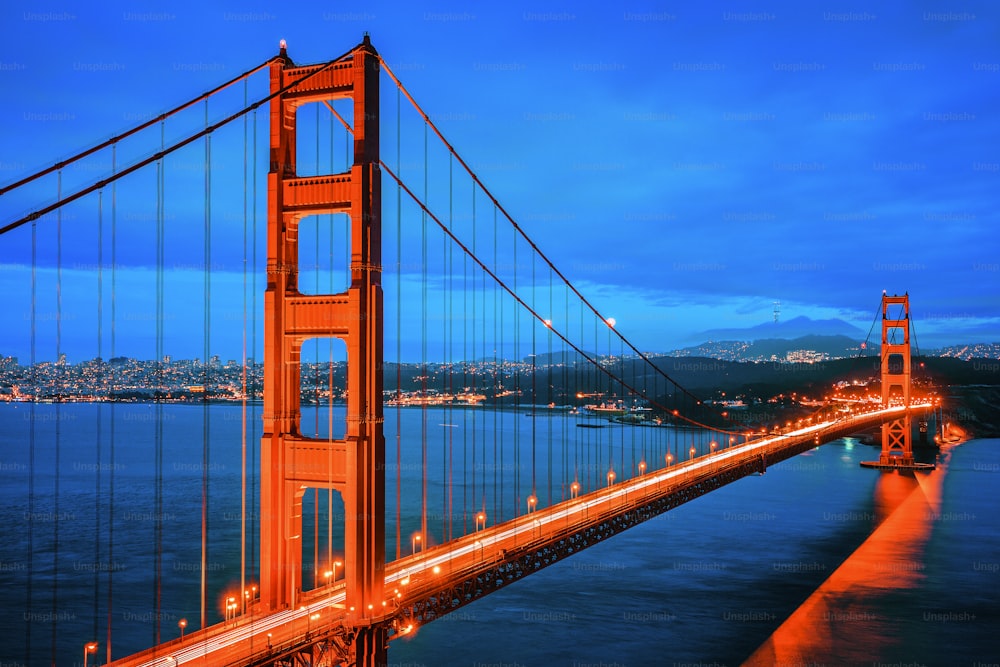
x: 837, y: 624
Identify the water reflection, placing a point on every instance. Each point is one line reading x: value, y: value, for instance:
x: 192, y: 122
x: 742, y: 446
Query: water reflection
x: 845, y: 620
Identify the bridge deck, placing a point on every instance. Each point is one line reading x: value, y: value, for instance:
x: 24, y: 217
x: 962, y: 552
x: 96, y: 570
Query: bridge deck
x: 443, y: 578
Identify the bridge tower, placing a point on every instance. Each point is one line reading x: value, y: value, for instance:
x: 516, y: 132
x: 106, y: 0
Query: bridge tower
x: 897, y: 436
x: 290, y: 462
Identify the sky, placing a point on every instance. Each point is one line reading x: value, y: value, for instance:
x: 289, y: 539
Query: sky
x: 686, y: 167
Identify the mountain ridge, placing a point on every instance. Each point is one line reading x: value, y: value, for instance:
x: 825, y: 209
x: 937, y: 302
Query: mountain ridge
x: 797, y: 327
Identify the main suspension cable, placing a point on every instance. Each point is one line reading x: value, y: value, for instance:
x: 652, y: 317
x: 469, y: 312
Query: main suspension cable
x: 61, y: 201
x: 138, y: 128
x: 522, y: 233
x: 534, y: 313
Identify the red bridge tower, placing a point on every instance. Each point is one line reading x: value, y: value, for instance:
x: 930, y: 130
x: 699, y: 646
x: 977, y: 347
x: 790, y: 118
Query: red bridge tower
x: 290, y: 462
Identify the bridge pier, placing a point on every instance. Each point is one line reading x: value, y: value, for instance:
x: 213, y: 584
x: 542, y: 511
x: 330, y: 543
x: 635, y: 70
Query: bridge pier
x: 371, y: 647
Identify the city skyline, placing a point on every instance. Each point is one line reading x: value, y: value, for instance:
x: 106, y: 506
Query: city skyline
x: 732, y: 158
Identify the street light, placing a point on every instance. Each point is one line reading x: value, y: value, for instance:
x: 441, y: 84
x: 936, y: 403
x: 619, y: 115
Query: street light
x: 230, y: 608
x: 670, y: 458
x: 413, y: 544
x: 481, y: 517
x: 89, y: 647
x: 642, y: 467
x: 611, y: 477
x: 712, y: 445
x: 692, y: 452
x: 182, y: 624
x: 574, y: 489
x: 532, y: 501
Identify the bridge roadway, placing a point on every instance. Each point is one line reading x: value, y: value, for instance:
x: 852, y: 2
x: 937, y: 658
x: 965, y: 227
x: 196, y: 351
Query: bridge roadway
x: 440, y: 579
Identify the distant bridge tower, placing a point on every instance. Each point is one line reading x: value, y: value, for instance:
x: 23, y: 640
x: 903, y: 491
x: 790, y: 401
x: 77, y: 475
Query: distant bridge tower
x: 897, y: 435
x: 290, y: 462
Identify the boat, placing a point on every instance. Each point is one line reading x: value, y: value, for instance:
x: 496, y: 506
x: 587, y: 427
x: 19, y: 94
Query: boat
x: 606, y: 409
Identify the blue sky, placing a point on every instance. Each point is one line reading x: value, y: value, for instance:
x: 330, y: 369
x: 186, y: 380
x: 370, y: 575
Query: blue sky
x: 687, y: 167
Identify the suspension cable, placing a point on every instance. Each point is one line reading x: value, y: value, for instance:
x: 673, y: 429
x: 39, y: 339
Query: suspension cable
x: 533, y: 312
x: 520, y: 231
x: 138, y: 128
x: 164, y: 152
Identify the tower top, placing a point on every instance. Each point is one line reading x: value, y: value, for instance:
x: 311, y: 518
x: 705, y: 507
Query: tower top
x: 366, y: 43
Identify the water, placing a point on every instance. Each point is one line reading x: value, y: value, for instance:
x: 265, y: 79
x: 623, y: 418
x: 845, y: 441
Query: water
x: 718, y: 580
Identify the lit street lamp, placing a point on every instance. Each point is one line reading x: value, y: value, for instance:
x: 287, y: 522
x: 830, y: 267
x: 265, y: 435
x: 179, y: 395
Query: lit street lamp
x: 413, y: 544
x: 182, y: 624
x: 230, y: 608
x: 532, y: 501
x: 670, y: 458
x: 480, y: 518
x: 574, y: 489
x: 611, y: 477
x: 88, y: 648
x: 692, y: 452
x: 642, y: 467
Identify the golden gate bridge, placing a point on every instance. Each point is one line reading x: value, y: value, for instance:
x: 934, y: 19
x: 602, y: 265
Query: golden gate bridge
x: 467, y: 285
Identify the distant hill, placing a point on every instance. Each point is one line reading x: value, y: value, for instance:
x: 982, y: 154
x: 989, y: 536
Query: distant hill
x: 836, y: 347
x: 796, y: 327
x: 560, y: 357
x: 766, y: 349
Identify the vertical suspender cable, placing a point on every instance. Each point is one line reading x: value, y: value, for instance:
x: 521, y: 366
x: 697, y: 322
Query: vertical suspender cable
x: 243, y: 380
x: 534, y: 375
x: 549, y: 390
x: 449, y: 339
x: 614, y: 393
x: 111, y: 434
x: 475, y: 383
x: 584, y: 378
x: 423, y: 354
x: 59, y: 367
x: 253, y: 346
x: 160, y: 390
x: 621, y: 360
x: 399, y: 330
x: 498, y: 462
x: 206, y: 431
x: 566, y: 366
x: 98, y: 426
x: 29, y: 602
x: 445, y: 351
x: 517, y: 395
